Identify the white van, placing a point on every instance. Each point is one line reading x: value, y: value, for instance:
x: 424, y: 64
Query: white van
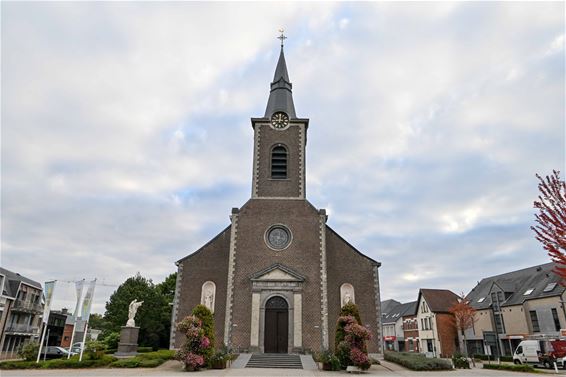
x: 527, y: 352
x: 541, y: 352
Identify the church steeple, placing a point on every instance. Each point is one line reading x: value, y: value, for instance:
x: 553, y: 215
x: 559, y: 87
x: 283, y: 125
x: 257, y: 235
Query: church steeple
x: 281, y: 95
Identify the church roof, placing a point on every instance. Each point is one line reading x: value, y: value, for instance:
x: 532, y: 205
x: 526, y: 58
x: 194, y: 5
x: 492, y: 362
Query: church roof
x: 205, y: 245
x: 281, y: 94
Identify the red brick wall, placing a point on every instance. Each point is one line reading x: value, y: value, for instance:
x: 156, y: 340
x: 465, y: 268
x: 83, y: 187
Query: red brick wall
x: 253, y: 255
x: 211, y: 263
x: 446, y: 334
x: 268, y: 138
x: 67, y: 333
x: 345, y: 265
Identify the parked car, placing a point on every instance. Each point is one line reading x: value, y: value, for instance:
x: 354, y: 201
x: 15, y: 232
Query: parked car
x: 541, y: 353
x: 52, y: 352
x: 77, y: 347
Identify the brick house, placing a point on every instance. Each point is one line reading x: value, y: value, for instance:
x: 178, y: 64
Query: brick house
x: 438, y: 335
x: 411, y: 328
x: 399, y: 326
x: 277, y: 275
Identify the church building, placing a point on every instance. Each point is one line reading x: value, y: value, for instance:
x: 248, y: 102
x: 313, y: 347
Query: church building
x: 277, y: 276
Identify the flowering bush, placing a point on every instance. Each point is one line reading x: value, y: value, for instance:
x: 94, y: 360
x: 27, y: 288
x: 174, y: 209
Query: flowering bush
x: 352, y: 347
x: 360, y: 358
x: 197, y: 345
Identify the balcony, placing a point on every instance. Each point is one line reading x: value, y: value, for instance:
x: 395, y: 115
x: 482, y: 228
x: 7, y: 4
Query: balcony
x: 20, y: 328
x: 26, y: 306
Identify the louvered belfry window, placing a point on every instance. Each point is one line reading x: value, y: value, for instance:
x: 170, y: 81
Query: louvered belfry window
x: 279, y: 162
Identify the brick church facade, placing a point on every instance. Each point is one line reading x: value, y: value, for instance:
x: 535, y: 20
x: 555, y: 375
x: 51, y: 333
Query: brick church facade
x: 277, y: 276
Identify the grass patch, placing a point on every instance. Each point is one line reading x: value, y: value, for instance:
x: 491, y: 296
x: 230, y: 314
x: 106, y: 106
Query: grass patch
x: 512, y: 367
x: 417, y: 361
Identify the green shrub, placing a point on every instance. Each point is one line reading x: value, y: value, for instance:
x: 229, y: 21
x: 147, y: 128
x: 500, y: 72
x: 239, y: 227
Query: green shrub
x: 94, y: 349
x: 460, y: 361
x: 110, y: 351
x: 144, y: 349
x: 511, y: 367
x: 343, y: 354
x: 487, y: 357
x: 8, y: 365
x: 151, y: 363
x: 417, y: 361
x: 29, y: 351
x: 111, y: 340
x: 161, y: 354
x: 134, y: 362
x: 62, y: 363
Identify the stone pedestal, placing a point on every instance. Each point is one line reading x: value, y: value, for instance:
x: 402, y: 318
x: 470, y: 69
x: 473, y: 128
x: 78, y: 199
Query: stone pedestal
x: 128, y: 345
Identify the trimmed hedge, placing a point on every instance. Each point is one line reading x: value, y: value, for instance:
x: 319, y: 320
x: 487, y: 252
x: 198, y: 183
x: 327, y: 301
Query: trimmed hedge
x: 492, y: 358
x: 145, y: 349
x: 511, y: 367
x: 144, y: 360
x: 417, y: 361
x: 72, y: 363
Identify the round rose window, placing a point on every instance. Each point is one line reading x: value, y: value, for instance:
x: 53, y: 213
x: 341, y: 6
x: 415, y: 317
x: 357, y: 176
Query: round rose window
x: 278, y: 237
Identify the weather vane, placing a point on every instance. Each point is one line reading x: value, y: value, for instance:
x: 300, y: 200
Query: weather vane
x: 282, y: 36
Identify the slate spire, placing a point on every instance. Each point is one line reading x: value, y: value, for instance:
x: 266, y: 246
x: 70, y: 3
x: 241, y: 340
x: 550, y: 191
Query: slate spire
x: 281, y: 95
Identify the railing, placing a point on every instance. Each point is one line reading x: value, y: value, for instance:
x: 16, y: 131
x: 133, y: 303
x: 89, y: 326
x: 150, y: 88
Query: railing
x: 25, y: 305
x: 22, y: 328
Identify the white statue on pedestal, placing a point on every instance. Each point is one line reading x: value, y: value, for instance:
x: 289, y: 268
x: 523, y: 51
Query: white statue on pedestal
x: 133, y: 309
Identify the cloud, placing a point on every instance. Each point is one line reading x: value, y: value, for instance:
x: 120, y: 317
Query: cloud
x: 126, y: 134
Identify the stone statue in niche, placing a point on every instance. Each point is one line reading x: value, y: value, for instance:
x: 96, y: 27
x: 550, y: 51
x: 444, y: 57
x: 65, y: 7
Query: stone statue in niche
x: 132, y: 310
x: 207, y: 297
x: 347, y: 294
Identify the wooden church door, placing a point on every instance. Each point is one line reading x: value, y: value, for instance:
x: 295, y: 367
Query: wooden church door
x: 276, y: 325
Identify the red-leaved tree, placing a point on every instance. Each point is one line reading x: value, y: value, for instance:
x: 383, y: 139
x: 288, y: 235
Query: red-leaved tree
x: 551, y: 220
x: 464, y: 317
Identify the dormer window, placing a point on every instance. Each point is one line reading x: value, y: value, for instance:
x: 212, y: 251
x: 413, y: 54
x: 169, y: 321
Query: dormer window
x: 279, y: 162
x: 549, y: 287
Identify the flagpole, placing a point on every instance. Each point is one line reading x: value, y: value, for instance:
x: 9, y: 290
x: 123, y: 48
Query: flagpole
x: 49, y: 287
x: 72, y: 339
x: 41, y: 343
x: 83, y: 342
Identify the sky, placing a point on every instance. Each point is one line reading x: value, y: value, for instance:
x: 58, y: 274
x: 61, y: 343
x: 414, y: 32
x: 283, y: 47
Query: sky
x: 126, y: 134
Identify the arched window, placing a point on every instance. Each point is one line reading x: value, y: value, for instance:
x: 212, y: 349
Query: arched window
x: 279, y: 162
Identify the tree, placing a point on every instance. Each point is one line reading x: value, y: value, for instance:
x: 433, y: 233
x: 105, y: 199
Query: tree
x: 205, y: 316
x: 464, y: 317
x: 153, y: 317
x: 551, y: 219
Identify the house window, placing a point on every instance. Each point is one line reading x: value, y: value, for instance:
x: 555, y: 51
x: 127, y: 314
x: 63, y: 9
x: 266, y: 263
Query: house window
x: 429, y: 345
x: 499, y: 327
x: 279, y: 162
x: 534, y: 321
x: 556, y: 319
x: 411, y: 346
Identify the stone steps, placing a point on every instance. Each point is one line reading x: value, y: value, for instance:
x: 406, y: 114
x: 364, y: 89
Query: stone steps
x: 275, y: 360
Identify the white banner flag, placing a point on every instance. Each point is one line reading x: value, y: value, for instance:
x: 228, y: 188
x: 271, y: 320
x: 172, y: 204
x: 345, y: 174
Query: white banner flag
x: 87, y: 301
x: 79, y: 285
x: 48, y: 289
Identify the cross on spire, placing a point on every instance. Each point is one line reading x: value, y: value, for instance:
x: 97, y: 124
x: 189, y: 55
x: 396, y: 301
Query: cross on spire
x: 282, y: 37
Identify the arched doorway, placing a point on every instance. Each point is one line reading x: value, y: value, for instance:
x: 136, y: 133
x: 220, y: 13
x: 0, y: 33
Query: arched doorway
x: 276, y: 325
